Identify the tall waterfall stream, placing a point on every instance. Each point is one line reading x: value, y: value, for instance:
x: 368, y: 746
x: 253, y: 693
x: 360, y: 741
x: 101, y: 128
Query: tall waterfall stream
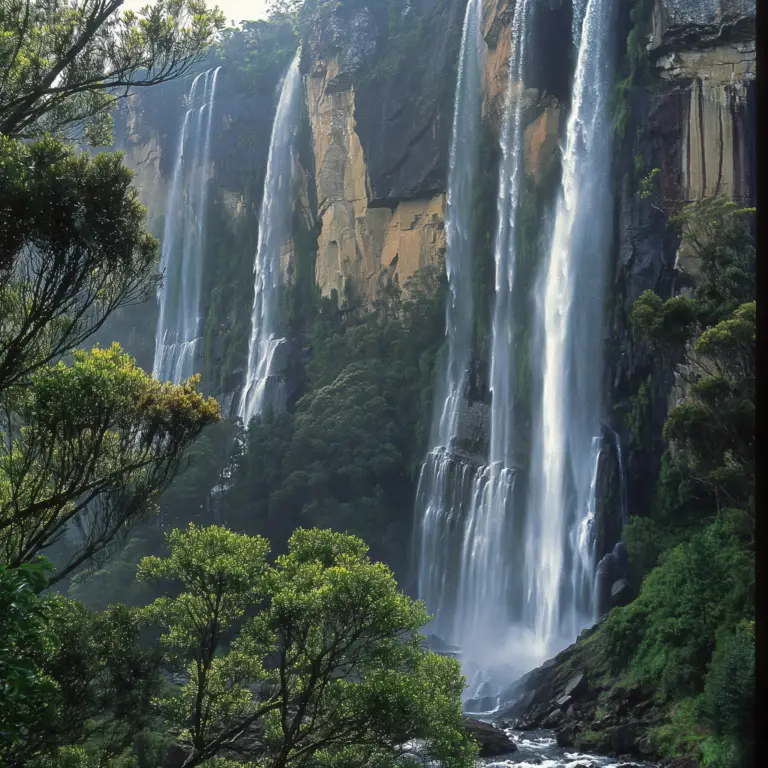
x: 265, y: 347
x: 506, y: 552
x: 179, y: 324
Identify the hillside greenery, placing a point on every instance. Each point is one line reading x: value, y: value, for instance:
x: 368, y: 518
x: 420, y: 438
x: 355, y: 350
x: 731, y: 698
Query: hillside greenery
x: 690, y: 634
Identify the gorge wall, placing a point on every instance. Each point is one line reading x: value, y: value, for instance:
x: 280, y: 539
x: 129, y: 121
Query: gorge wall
x: 371, y: 174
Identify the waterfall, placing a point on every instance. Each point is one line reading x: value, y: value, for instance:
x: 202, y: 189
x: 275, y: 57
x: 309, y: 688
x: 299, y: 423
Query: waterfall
x: 489, y: 602
x: 468, y: 527
x: 622, y: 477
x: 444, y: 483
x: 181, y: 260
x: 265, y: 346
x: 570, y: 311
x: 508, y: 570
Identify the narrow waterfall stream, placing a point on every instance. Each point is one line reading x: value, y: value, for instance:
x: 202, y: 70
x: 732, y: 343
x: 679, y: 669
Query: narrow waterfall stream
x: 560, y: 575
x: 444, y: 482
x: 265, y: 347
x: 181, y: 261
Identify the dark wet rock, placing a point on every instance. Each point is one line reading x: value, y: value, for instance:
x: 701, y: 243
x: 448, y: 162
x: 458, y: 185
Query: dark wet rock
x: 645, y: 745
x: 621, y: 593
x: 175, y: 756
x: 624, y: 737
x: 686, y: 23
x: 439, y: 646
x: 576, y: 685
x: 553, y: 718
x: 480, y: 704
x: 615, y: 580
x: 517, y: 706
x: 493, y: 741
x: 566, y: 736
x: 485, y: 690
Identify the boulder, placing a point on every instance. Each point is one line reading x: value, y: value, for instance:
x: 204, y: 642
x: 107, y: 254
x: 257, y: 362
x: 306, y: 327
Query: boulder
x: 439, y: 646
x: 553, y: 718
x: 486, y: 690
x: 576, y: 685
x: 621, y: 593
x: 624, y: 737
x: 564, y: 701
x: 614, y: 580
x: 566, y: 735
x: 480, y: 704
x: 518, y: 706
x: 493, y: 741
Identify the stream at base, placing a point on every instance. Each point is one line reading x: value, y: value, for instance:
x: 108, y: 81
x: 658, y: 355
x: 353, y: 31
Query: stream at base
x: 539, y: 749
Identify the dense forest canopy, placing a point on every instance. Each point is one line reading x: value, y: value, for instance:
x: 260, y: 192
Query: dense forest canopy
x: 178, y: 588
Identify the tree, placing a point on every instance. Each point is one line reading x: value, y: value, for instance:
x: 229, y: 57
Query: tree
x: 89, y: 445
x: 690, y: 633
x: 63, y: 63
x: 330, y: 670
x: 99, y: 683
x: 23, y: 632
x: 712, y: 429
x: 73, y: 250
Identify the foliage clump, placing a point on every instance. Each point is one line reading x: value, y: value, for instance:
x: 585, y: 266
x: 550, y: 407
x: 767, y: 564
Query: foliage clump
x: 690, y: 632
x: 329, y: 670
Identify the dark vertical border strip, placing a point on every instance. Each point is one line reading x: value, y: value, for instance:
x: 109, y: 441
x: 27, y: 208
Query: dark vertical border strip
x: 761, y: 453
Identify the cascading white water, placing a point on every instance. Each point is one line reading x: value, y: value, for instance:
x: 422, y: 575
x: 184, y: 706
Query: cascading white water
x: 181, y: 261
x: 274, y: 228
x: 559, y: 579
x: 443, y: 484
x: 469, y: 540
x: 488, y: 599
x: 622, y: 478
x: 511, y: 580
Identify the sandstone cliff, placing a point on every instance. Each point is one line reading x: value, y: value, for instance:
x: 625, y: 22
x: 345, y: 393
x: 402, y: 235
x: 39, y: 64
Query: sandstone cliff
x: 372, y: 172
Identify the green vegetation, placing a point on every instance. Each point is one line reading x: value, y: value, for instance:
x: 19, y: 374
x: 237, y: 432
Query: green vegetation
x: 333, y: 650
x: 357, y: 472
x: 634, y: 69
x: 690, y: 633
x: 65, y: 63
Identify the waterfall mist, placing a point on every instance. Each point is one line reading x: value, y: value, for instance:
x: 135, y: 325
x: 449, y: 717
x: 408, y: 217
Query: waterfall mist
x: 265, y: 347
x: 182, y: 254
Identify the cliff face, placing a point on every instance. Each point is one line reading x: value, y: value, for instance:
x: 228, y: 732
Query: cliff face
x: 694, y: 121
x: 372, y: 172
x: 380, y: 115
